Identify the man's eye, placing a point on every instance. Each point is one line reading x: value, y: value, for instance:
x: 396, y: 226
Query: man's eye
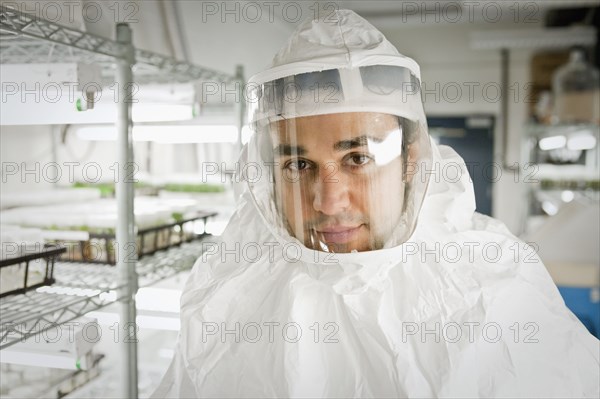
x: 359, y: 159
x: 297, y: 165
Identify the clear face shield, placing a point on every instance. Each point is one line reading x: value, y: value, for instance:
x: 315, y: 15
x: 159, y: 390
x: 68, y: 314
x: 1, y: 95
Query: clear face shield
x: 342, y: 153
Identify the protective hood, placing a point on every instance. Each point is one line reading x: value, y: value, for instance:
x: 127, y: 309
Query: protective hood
x: 340, y: 139
x: 461, y: 309
x: 340, y: 40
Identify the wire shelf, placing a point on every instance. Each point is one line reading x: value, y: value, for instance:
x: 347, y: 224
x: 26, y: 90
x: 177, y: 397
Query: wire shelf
x: 26, y: 39
x: 81, y: 288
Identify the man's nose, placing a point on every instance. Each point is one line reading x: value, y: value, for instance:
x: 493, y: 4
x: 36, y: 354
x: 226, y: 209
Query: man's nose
x: 332, y: 194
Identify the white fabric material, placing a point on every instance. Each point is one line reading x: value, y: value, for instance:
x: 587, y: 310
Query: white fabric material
x: 372, y: 302
x: 343, y: 40
x: 459, y: 268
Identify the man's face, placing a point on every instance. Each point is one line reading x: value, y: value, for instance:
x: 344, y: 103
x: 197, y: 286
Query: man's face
x: 338, y: 179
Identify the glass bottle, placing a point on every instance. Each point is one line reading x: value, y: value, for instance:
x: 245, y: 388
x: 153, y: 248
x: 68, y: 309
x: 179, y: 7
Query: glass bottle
x: 576, y: 87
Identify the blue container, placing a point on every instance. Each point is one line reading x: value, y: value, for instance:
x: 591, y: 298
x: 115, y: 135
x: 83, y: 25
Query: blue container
x: 585, y: 304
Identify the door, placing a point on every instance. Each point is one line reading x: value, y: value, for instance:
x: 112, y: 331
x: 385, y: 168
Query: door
x: 472, y: 137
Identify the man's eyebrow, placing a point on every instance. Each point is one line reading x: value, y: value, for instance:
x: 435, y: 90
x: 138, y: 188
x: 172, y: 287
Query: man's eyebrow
x: 289, y: 150
x: 359, y: 141
x: 343, y: 145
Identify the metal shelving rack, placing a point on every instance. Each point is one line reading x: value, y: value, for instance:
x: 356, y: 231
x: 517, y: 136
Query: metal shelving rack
x: 81, y: 288
x: 29, y: 39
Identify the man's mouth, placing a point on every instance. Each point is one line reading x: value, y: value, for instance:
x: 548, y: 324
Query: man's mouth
x: 338, y: 234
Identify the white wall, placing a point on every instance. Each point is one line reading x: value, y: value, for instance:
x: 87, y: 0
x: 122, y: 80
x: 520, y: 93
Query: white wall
x: 54, y: 161
x: 22, y: 149
x: 219, y: 42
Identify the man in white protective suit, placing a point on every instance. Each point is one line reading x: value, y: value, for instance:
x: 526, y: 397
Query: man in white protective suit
x: 353, y: 267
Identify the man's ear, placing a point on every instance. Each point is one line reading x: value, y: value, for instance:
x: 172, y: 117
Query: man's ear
x: 410, y: 149
x: 410, y: 167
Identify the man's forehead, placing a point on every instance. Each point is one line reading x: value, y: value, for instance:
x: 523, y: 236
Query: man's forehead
x: 335, y: 132
x: 332, y: 126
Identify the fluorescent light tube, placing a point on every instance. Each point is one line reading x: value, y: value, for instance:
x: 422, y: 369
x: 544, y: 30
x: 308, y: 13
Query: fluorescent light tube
x: 581, y: 142
x: 168, y: 134
x: 553, y: 142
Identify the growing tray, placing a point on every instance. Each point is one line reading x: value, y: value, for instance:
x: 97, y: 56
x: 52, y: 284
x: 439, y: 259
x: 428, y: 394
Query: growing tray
x: 19, y: 274
x: 100, y: 247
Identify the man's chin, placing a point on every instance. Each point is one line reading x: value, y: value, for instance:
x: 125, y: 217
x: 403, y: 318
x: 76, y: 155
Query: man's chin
x: 359, y: 244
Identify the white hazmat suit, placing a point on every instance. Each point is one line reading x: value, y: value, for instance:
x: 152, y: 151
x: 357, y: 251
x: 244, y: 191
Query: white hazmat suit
x: 462, y: 308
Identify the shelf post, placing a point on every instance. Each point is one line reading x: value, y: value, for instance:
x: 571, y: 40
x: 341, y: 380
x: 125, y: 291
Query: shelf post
x: 126, y: 244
